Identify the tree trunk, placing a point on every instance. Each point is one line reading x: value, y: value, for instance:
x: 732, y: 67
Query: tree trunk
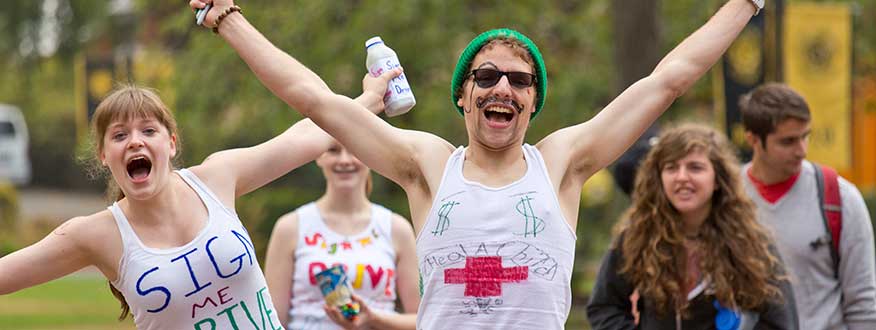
x: 637, y: 39
x: 637, y: 46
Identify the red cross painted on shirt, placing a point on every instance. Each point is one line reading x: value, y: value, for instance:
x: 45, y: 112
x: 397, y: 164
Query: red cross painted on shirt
x: 483, y: 276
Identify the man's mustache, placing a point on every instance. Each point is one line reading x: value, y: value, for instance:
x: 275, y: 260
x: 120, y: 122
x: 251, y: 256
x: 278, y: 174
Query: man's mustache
x: 482, y: 101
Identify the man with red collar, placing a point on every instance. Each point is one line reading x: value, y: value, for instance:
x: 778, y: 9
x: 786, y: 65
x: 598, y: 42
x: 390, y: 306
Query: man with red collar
x: 783, y: 185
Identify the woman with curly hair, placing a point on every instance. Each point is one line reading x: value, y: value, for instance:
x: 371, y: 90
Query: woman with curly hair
x: 690, y: 253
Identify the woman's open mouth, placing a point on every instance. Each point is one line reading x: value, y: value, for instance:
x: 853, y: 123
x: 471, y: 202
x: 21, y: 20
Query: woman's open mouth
x: 139, y: 169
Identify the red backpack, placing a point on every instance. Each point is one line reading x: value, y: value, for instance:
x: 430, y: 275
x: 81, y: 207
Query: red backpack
x: 829, y: 200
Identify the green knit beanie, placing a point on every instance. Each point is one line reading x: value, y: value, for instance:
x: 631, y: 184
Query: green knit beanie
x: 468, y: 55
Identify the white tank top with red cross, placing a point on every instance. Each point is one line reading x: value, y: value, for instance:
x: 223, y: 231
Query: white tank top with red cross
x: 212, y: 282
x: 495, y: 258
x: 369, y: 258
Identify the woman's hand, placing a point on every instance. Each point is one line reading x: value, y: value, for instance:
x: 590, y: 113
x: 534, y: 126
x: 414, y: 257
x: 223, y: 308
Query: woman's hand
x: 360, y: 322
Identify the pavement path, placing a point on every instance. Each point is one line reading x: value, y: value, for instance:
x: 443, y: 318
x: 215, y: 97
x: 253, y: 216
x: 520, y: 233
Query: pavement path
x: 57, y: 205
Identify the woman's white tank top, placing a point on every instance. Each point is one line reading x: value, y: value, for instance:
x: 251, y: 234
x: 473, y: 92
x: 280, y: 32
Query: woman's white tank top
x: 213, y: 282
x: 369, y: 258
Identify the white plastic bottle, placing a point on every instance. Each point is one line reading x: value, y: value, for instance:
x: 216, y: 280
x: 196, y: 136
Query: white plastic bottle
x: 399, y: 97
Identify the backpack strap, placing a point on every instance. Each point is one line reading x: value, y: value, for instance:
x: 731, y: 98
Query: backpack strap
x: 830, y: 203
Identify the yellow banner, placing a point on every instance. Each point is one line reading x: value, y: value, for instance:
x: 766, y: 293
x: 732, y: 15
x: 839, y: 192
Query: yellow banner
x: 817, y: 43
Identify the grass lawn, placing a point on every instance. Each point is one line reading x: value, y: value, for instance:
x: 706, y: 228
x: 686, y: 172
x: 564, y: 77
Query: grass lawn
x: 75, y: 302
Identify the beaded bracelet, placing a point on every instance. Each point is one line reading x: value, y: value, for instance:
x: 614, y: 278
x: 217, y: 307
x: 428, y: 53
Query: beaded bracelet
x: 229, y: 10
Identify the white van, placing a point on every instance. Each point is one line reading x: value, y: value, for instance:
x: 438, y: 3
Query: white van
x: 14, y: 160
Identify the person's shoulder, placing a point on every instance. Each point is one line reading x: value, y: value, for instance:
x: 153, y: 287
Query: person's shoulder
x: 400, y: 223
x: 808, y: 172
x: 287, y: 223
x: 617, y: 243
x: 289, y: 216
x: 852, y: 200
x: 92, y: 222
x: 430, y: 148
x: 425, y: 142
x: 847, y: 186
x: 429, y: 139
x: 206, y: 172
x: 402, y: 233
x: 90, y: 229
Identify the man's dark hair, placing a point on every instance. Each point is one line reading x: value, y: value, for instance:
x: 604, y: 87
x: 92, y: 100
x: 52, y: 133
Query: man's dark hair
x: 767, y: 106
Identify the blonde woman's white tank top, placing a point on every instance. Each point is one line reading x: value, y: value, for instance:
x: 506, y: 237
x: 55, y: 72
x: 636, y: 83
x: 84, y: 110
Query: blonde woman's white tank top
x: 212, y: 282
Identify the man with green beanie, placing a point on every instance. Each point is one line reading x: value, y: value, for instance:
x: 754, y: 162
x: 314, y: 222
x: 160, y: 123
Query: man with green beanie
x: 495, y: 219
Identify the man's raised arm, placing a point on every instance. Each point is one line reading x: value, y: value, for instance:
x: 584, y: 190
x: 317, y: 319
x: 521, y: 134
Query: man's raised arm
x: 599, y: 141
x: 387, y: 150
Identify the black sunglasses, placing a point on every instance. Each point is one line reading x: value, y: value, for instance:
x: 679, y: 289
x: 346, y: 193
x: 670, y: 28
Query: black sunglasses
x: 486, y: 78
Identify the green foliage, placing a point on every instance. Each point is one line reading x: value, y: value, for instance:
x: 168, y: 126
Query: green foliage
x: 17, y: 19
x: 8, y: 217
x: 8, y: 205
x: 22, y: 41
